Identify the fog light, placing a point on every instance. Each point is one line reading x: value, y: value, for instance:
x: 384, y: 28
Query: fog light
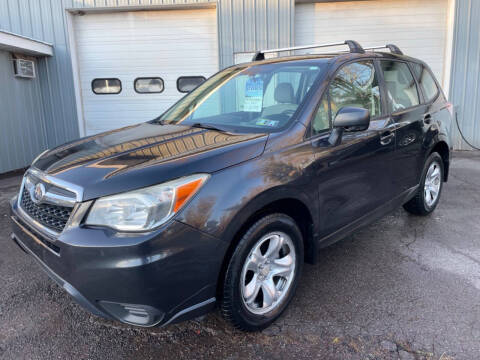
x: 141, y: 315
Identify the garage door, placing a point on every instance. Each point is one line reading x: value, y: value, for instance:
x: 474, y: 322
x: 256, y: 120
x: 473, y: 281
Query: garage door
x: 418, y: 27
x: 130, y: 62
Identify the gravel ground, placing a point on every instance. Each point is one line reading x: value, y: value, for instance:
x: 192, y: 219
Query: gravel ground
x: 403, y: 288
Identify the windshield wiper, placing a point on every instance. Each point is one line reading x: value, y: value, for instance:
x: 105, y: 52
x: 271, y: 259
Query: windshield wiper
x: 207, y: 126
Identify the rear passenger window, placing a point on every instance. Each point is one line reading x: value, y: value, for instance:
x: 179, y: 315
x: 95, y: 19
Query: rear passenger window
x: 400, y: 85
x: 426, y: 81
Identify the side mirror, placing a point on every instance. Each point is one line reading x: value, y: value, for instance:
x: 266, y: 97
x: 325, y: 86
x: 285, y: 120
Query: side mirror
x: 352, y: 118
x: 349, y: 119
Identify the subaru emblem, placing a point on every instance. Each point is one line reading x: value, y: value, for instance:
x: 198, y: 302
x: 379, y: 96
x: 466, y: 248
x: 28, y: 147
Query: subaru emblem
x: 38, y: 193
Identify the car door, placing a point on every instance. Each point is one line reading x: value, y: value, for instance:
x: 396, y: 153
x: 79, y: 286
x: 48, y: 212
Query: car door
x: 408, y: 116
x: 353, y: 178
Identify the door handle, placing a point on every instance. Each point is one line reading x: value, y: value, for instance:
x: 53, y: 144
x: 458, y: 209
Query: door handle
x: 427, y: 119
x: 386, y: 137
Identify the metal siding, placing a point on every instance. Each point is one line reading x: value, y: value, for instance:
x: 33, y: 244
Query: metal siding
x: 250, y: 25
x: 23, y: 132
x: 47, y: 100
x: 243, y: 26
x: 465, y: 75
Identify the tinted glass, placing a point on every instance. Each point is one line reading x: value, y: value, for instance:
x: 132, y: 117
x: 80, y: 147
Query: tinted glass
x: 249, y: 98
x: 400, y: 85
x: 148, y: 85
x: 282, y: 81
x: 321, y: 121
x: 426, y: 81
x: 356, y: 85
x: 106, y: 86
x: 186, y: 84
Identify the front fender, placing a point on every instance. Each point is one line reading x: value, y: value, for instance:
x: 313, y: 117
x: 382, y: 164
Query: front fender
x: 233, y: 195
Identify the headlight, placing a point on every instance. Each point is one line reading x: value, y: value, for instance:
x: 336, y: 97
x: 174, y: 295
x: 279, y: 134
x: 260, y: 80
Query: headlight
x: 146, y: 208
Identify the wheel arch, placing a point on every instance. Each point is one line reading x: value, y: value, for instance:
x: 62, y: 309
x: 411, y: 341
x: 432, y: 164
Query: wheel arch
x: 283, y: 201
x: 442, y: 148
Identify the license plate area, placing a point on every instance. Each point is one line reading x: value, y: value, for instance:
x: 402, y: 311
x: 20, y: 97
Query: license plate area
x: 23, y: 231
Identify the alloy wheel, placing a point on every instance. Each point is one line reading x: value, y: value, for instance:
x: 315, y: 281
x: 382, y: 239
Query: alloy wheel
x: 268, y: 273
x: 432, y: 183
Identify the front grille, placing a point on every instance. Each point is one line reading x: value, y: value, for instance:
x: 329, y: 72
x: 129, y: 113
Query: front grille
x: 52, y: 216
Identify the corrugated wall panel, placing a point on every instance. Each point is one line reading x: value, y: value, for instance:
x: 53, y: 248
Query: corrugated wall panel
x: 250, y: 25
x: 22, y: 134
x: 465, y: 76
x: 51, y: 93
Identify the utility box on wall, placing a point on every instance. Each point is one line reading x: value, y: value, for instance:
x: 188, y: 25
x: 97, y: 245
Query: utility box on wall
x: 24, y: 68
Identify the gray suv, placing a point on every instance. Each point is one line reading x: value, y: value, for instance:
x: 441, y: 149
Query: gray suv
x: 221, y: 199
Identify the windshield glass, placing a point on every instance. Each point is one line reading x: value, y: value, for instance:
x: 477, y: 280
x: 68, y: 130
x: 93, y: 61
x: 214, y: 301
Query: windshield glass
x: 258, y: 98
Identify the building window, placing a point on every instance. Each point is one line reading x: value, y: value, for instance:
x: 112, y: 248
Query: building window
x: 186, y: 84
x: 106, y: 86
x: 148, y: 85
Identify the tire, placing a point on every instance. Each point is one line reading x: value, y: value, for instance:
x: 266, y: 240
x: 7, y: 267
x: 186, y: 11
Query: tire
x: 422, y: 203
x: 257, y: 250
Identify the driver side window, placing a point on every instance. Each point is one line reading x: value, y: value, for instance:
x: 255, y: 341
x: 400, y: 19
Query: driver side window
x: 355, y: 84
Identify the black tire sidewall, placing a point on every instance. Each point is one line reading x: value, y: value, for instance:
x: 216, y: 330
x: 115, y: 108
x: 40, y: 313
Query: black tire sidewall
x: 232, y: 290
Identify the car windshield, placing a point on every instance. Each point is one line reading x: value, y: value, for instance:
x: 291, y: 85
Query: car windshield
x: 251, y: 98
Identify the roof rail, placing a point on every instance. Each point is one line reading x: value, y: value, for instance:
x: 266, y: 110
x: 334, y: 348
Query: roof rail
x: 354, y: 46
x: 394, y: 49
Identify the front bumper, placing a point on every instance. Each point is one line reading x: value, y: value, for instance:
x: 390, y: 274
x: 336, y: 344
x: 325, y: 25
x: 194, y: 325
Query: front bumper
x: 161, y: 277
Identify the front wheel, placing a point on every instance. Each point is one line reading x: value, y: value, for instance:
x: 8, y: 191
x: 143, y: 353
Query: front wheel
x: 428, y: 193
x: 263, y: 273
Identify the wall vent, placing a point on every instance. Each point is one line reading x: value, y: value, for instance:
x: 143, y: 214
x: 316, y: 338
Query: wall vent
x: 24, y: 68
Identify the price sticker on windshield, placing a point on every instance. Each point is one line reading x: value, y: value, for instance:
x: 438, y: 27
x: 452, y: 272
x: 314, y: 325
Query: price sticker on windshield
x: 266, y: 122
x: 253, y: 95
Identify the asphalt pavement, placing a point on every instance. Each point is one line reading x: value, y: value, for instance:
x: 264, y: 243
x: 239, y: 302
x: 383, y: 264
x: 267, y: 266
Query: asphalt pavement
x: 405, y: 287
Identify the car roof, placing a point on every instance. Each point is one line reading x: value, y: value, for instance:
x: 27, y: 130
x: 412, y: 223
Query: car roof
x: 338, y: 57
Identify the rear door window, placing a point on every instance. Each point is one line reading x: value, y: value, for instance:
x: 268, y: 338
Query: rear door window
x: 400, y: 85
x: 426, y: 81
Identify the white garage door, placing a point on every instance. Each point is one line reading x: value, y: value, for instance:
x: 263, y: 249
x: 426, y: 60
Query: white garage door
x: 158, y: 46
x: 418, y: 27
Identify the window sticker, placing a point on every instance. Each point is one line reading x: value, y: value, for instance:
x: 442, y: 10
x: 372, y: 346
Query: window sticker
x: 266, y: 122
x: 253, y: 95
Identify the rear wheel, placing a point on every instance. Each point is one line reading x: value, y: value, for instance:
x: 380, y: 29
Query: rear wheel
x: 263, y: 273
x: 428, y: 193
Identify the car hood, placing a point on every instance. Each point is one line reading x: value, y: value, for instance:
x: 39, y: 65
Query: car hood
x: 146, y: 154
